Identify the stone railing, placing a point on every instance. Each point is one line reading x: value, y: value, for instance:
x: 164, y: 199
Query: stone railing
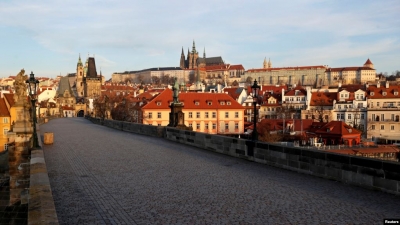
x: 366, y: 172
x: 41, y: 209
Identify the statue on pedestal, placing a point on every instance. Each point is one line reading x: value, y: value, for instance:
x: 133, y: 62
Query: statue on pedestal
x: 20, y: 88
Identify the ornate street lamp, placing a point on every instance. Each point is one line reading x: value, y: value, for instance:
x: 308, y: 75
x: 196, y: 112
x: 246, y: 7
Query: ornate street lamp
x: 32, y: 87
x: 255, y: 89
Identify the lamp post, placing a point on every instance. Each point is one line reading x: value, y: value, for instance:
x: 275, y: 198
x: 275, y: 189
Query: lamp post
x: 255, y: 89
x: 32, y: 86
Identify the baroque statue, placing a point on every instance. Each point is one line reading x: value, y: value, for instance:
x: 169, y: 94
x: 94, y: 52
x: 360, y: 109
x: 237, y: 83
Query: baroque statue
x: 175, y: 90
x: 20, y: 88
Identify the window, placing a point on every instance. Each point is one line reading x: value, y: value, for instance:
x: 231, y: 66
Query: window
x: 226, y: 114
x: 339, y: 107
x: 190, y: 115
x: 206, y: 126
x: 190, y: 125
x: 222, y: 103
x: 382, y: 117
x: 5, y: 131
x: 206, y: 114
x: 382, y: 127
x: 342, y: 116
x: 237, y: 114
x: 362, y: 116
x: 5, y: 147
x: 236, y: 126
x: 392, y: 117
x: 372, y: 127
x: 158, y: 115
x: 384, y: 93
x: 158, y: 103
x: 214, y: 126
x: 372, y: 93
x: 196, y: 103
x: 349, y: 116
x: 226, y: 126
x: 338, y: 117
x: 209, y: 103
x: 377, y: 104
x: 391, y: 127
x: 373, y: 117
x: 214, y: 115
x: 150, y: 115
x: 5, y: 120
x: 198, y: 126
x: 159, y: 124
x: 360, y: 105
x: 228, y: 103
x: 197, y: 114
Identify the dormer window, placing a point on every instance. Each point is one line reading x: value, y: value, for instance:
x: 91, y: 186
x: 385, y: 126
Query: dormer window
x: 228, y: 103
x: 222, y: 103
x: 384, y: 93
x: 209, y: 103
x: 396, y: 93
x: 158, y: 103
x: 196, y: 103
x: 372, y: 93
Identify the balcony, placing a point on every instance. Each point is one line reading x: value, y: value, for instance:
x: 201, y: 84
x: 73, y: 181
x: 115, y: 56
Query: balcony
x: 387, y: 120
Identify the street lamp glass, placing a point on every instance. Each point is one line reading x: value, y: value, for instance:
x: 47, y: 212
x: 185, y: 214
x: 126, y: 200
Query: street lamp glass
x: 32, y: 85
x: 255, y: 89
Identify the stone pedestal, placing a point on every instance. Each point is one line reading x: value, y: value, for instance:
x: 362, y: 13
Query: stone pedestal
x: 19, y: 169
x: 177, y: 117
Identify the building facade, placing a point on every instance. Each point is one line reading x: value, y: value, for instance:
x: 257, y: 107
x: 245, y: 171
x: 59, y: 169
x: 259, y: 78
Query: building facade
x: 213, y: 113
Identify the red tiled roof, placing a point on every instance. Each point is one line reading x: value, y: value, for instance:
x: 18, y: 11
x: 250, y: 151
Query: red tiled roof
x: 352, y: 87
x: 348, y: 69
x: 194, y: 100
x: 3, y: 108
x: 337, y: 128
x: 322, y: 98
x: 368, y: 62
x: 293, y: 91
x: 10, y: 99
x: 378, y: 92
x: 286, y: 68
x: 233, y: 92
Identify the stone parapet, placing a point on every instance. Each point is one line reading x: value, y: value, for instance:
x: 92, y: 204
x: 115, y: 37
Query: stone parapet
x: 41, y: 208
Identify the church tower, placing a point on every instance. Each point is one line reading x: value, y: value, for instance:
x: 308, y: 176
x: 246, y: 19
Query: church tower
x: 182, y: 62
x: 369, y: 64
x: 193, y: 57
x: 265, y: 64
x: 269, y: 63
x: 79, y: 77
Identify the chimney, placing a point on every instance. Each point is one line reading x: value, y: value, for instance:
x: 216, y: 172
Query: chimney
x: 387, y: 84
x: 340, y: 83
x: 378, y: 85
x: 366, y: 85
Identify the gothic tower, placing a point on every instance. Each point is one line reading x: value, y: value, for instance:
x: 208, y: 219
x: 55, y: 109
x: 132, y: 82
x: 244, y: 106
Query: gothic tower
x: 182, y: 62
x: 79, y: 77
x: 269, y: 63
x: 193, y: 57
x: 265, y: 64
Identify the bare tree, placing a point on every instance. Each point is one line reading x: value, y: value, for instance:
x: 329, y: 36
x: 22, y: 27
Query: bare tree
x: 156, y: 80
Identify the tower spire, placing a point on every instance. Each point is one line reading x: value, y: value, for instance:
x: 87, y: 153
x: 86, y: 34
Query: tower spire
x: 204, y: 53
x: 194, y: 47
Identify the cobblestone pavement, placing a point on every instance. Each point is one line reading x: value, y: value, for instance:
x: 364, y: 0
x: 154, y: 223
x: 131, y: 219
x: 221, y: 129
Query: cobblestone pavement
x: 104, y: 176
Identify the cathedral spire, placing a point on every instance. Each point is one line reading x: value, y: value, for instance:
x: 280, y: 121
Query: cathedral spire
x: 194, y: 47
x: 204, y: 53
x: 182, y: 61
x: 265, y: 65
x: 269, y: 63
x: 79, y: 60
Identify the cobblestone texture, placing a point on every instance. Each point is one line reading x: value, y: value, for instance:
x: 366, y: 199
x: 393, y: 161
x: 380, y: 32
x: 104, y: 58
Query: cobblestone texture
x: 100, y: 175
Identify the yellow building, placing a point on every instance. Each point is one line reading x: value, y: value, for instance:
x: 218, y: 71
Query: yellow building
x: 213, y: 113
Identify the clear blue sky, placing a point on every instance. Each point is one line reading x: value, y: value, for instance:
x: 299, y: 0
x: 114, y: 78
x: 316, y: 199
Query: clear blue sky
x: 47, y: 36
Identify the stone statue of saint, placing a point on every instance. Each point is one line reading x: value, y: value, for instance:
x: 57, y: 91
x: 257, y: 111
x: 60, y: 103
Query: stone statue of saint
x: 175, y: 90
x: 20, y: 87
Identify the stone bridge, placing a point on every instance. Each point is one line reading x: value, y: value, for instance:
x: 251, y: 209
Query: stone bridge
x: 100, y: 175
